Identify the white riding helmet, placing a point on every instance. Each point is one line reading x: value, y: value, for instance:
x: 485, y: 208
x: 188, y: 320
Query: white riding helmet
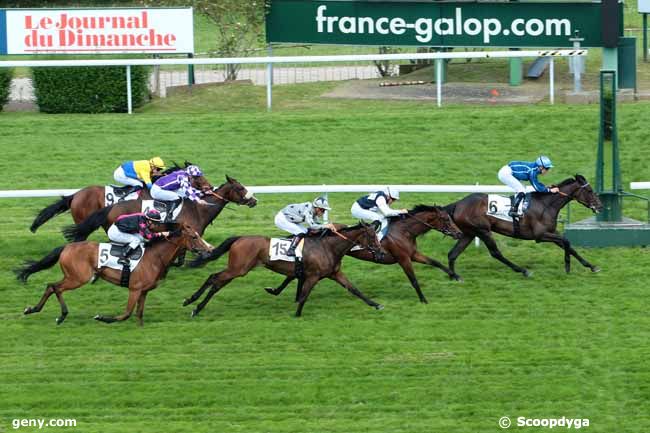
x: 321, y: 202
x: 392, y: 193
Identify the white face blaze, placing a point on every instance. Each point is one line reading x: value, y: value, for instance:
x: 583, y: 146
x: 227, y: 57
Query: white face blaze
x: 248, y: 194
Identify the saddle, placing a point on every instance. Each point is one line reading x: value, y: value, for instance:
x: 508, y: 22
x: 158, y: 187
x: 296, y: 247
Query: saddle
x: 122, y: 191
x: 117, y: 250
x: 525, y: 203
x: 167, y: 208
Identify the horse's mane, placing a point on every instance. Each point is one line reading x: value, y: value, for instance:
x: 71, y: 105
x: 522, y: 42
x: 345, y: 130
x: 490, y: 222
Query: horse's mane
x: 417, y: 209
x: 566, y: 182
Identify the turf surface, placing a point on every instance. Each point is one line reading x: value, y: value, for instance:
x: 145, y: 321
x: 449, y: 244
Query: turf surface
x: 496, y: 345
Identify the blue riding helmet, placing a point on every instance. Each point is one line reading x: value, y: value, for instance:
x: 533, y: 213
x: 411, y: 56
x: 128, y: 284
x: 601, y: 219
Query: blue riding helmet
x: 544, y: 161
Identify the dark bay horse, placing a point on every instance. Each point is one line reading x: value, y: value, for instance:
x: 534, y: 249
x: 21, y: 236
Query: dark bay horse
x: 196, y: 215
x: 321, y: 259
x: 400, y: 244
x: 78, y: 262
x: 539, y: 222
x: 87, y: 200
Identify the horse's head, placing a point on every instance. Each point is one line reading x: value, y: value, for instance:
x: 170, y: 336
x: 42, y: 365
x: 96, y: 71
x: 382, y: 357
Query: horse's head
x: 585, y: 195
x: 235, y: 192
x: 368, y: 238
x: 437, y: 218
x: 201, y: 183
x: 190, y: 239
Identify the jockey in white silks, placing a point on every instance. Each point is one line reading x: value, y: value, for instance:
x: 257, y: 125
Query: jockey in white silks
x: 298, y: 218
x: 376, y: 207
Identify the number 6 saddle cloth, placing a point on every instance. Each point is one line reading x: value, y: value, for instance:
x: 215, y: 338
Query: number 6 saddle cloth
x: 278, y: 249
x: 499, y: 206
x: 109, y: 254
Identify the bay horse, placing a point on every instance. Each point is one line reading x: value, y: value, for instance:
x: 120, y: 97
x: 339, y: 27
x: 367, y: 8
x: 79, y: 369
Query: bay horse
x: 92, y: 198
x: 539, y: 223
x: 79, y: 263
x: 321, y: 259
x: 196, y: 215
x: 400, y: 244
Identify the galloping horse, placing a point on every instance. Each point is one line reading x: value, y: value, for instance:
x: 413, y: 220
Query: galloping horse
x: 321, y: 259
x: 196, y: 215
x: 92, y: 198
x: 400, y: 245
x: 79, y: 263
x: 538, y: 224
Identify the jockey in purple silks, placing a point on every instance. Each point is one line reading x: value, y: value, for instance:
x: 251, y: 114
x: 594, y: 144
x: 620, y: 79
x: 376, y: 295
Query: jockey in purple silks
x: 178, y: 185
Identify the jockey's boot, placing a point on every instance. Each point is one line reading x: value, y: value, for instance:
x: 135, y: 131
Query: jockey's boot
x: 123, y: 191
x: 513, y: 209
x: 125, y: 260
x: 171, y: 205
x: 291, y: 252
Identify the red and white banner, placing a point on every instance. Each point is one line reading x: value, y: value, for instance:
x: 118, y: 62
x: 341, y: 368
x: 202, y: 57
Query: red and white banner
x: 99, y: 31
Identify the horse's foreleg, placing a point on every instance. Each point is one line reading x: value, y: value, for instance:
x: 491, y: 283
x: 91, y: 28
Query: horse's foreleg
x: 425, y: 260
x: 220, y: 280
x: 306, y: 286
x: 496, y: 253
x: 407, y: 267
x: 281, y: 287
x: 456, y: 251
x: 340, y: 278
x: 140, y: 309
x: 196, y: 295
x: 564, y: 243
x: 134, y: 295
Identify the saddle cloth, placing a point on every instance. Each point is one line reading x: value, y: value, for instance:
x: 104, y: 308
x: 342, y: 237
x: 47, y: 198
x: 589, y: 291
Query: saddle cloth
x: 161, y: 207
x: 112, y: 195
x: 499, y: 206
x: 109, y: 254
x: 278, y: 248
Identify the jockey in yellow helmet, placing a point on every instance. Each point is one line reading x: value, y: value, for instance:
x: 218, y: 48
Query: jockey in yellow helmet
x: 139, y: 173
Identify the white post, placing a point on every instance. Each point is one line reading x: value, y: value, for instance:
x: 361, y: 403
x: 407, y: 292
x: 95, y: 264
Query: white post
x: 551, y: 78
x: 477, y: 241
x: 269, y: 81
x: 128, y: 89
x: 439, y: 81
x: 326, y: 214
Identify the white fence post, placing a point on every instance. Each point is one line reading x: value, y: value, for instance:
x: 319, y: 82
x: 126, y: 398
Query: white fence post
x: 439, y: 81
x: 128, y: 89
x: 269, y: 81
x: 551, y: 77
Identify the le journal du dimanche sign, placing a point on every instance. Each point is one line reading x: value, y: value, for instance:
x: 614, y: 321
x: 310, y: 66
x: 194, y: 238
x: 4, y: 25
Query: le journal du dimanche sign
x: 96, y: 31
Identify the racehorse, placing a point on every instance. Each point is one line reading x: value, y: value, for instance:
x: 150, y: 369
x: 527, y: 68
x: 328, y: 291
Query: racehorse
x: 400, y: 244
x: 321, y: 259
x: 92, y: 198
x: 79, y: 263
x: 539, y: 223
x: 196, y: 215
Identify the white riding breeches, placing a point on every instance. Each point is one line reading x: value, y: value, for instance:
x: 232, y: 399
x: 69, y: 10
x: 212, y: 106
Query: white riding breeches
x: 283, y: 223
x: 122, y: 178
x: 369, y: 216
x: 162, y: 194
x: 132, y: 239
x: 505, y: 176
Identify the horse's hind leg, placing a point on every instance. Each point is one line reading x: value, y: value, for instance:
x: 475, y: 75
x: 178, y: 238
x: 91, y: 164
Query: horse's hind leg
x: 218, y: 282
x: 49, y: 290
x: 196, y: 295
x: 456, y: 251
x: 307, y: 285
x: 281, y: 287
x: 496, y: 253
x: 134, y: 295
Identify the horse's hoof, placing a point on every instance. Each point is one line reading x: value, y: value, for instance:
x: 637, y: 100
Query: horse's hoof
x: 194, y: 313
x: 595, y: 269
x: 456, y: 277
x: 424, y: 301
x: 99, y: 318
x: 527, y: 273
x: 60, y: 320
x: 28, y: 310
x: 186, y: 302
x: 379, y: 307
x: 270, y: 291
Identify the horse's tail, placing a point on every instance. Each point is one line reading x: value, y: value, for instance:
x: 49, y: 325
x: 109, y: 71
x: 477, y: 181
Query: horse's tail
x: 30, y: 267
x: 51, y: 211
x: 215, y: 254
x: 80, y: 232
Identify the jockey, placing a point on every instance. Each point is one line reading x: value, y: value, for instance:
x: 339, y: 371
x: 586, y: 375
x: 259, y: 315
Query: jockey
x: 134, y: 230
x: 515, y: 171
x: 178, y: 185
x: 375, y: 207
x: 298, y: 218
x: 139, y: 173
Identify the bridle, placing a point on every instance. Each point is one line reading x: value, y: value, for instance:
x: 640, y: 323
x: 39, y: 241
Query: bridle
x: 342, y: 236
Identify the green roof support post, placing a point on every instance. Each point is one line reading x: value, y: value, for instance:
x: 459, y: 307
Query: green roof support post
x: 608, y: 169
x: 516, y: 66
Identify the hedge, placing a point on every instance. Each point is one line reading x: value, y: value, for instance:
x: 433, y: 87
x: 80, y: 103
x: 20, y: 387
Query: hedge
x: 88, y: 89
x: 5, y: 85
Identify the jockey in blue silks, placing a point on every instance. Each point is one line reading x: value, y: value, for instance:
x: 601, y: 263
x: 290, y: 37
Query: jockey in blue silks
x: 516, y: 171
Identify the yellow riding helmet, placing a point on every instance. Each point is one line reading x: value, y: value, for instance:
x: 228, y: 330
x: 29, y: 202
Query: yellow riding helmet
x: 157, y: 162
